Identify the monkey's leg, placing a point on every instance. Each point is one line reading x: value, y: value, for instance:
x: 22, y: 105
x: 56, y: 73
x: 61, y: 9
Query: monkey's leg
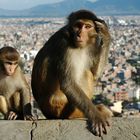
x: 16, y: 107
x: 3, y: 106
x: 87, y: 86
x: 14, y: 104
x: 16, y: 101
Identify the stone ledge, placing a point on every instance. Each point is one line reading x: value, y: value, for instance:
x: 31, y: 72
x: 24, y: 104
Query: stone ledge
x: 122, y: 129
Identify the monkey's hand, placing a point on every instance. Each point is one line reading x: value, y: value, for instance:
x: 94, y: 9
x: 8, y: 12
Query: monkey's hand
x: 29, y: 117
x: 103, y: 31
x: 11, y: 115
x: 101, y: 120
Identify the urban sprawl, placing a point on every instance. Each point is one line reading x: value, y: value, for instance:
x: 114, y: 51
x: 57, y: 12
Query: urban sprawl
x: 120, y: 83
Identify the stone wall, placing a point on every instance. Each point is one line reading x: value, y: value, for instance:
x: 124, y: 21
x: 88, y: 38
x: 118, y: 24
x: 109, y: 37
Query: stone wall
x: 121, y: 129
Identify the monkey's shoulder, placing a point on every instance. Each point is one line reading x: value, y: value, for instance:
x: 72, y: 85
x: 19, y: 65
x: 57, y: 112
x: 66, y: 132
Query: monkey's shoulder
x: 59, y: 38
x: 55, y: 45
x: 61, y: 33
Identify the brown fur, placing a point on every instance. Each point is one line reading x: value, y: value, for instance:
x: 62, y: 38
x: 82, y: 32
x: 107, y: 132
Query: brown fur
x: 67, y: 68
x: 14, y: 90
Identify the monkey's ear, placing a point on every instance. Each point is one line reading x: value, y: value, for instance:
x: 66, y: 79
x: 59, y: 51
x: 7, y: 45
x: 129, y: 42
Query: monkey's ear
x: 21, y: 64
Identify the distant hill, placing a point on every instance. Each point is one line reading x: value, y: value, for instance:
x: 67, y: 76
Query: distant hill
x: 101, y: 7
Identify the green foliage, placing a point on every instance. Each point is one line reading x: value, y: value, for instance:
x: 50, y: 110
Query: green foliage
x: 107, y: 101
x: 135, y: 100
x: 101, y: 99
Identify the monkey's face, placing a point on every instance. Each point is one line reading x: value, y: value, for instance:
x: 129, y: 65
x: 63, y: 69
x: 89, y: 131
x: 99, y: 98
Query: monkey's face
x: 84, y: 33
x: 10, y: 67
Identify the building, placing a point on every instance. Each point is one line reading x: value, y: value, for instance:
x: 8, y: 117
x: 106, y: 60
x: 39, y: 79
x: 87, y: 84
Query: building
x: 121, y: 96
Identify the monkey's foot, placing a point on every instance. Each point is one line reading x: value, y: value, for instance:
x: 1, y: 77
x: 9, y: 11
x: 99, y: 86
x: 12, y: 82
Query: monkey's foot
x: 12, y: 115
x: 29, y: 117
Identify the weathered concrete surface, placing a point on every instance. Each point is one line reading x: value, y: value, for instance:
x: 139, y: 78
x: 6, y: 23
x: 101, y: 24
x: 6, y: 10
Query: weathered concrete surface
x: 121, y: 129
x: 15, y: 130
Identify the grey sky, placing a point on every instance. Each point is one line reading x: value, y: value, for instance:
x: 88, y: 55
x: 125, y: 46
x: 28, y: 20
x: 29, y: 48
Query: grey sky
x: 24, y: 4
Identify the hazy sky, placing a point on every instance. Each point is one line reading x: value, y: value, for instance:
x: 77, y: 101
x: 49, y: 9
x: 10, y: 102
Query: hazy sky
x: 24, y: 4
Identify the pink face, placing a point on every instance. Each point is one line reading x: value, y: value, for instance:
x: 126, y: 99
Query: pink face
x: 10, y: 67
x: 85, y: 32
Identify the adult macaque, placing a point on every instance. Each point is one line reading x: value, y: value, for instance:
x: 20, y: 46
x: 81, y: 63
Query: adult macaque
x: 14, y: 90
x: 67, y: 68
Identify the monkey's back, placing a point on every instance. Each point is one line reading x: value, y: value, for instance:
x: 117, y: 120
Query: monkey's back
x: 45, y: 80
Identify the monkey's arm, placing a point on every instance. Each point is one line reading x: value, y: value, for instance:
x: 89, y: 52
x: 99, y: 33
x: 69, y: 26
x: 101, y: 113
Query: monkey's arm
x: 98, y: 118
x: 103, y: 50
x: 26, y: 98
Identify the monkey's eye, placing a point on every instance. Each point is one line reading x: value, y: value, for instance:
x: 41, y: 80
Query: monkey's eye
x: 88, y: 26
x: 10, y: 63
